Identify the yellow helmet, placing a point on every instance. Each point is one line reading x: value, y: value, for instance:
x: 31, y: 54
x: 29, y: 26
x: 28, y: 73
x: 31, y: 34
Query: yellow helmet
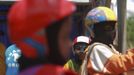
x: 97, y: 15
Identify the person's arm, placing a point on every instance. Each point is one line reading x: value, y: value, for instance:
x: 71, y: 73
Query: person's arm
x: 105, y: 61
x: 120, y: 63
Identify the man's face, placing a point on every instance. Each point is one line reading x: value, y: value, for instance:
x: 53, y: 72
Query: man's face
x: 79, y: 49
x: 106, y: 30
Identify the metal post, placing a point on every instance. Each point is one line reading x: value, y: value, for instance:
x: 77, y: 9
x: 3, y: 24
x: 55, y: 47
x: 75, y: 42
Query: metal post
x: 121, y: 8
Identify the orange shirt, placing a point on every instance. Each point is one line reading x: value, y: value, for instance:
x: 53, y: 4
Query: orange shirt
x: 104, y: 60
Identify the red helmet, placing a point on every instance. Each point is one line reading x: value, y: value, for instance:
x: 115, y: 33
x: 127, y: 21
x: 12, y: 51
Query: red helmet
x: 26, y: 17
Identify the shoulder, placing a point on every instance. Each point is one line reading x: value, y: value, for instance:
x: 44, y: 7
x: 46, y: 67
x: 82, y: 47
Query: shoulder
x: 68, y: 64
x: 69, y: 61
x: 100, y: 49
x: 99, y: 55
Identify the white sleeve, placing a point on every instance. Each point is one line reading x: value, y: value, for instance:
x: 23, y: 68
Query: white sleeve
x: 99, y: 56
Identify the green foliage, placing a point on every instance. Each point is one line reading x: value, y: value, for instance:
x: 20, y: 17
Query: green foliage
x: 130, y: 32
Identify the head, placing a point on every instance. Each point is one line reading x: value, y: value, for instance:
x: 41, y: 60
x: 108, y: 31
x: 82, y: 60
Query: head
x: 79, y: 46
x: 53, y: 18
x: 100, y: 23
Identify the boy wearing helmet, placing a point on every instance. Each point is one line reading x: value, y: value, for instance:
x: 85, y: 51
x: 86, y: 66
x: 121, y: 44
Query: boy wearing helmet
x: 80, y: 43
x: 41, y: 28
x: 102, y: 58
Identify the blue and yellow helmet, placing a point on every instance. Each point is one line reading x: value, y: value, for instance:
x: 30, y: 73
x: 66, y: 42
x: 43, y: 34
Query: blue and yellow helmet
x: 97, y: 15
x: 100, y: 14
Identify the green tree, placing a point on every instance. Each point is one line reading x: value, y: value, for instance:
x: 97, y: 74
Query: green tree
x: 130, y: 32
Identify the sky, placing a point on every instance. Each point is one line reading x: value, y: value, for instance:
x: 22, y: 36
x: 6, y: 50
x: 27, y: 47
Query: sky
x: 130, y: 9
x: 130, y: 4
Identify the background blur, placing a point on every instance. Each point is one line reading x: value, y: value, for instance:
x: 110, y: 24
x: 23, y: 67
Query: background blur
x: 83, y: 6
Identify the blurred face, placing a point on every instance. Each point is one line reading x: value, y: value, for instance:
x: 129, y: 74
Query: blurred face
x: 80, y: 47
x: 108, y: 29
x: 79, y: 50
x: 64, y: 38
